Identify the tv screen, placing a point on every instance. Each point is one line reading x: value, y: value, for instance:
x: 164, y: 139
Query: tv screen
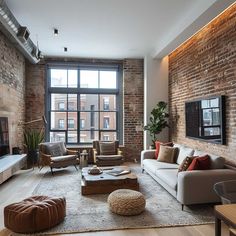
x: 4, y: 136
x: 205, y: 119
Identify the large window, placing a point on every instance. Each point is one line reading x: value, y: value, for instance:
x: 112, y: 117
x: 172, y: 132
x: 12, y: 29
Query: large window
x: 84, y: 104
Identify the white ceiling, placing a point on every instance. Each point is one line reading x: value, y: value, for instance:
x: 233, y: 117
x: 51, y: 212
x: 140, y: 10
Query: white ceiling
x: 113, y: 28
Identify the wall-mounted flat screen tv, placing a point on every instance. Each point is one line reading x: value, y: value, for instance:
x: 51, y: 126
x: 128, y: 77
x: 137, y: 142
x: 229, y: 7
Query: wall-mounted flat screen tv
x: 4, y: 136
x: 205, y: 119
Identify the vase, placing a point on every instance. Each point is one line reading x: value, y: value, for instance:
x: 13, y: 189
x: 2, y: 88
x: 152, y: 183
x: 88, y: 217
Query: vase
x: 32, y: 158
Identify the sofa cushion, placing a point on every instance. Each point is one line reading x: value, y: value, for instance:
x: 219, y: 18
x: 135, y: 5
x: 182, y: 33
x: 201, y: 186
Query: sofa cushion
x: 154, y: 165
x: 200, y: 163
x: 107, y: 148
x: 63, y: 158
x: 217, y: 162
x: 185, y: 164
x: 183, y: 153
x: 169, y: 176
x: 166, y: 154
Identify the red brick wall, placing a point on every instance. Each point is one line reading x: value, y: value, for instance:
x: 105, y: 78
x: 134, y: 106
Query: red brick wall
x: 133, y: 108
x: 35, y: 94
x: 12, y: 89
x: 133, y: 99
x: 204, y: 66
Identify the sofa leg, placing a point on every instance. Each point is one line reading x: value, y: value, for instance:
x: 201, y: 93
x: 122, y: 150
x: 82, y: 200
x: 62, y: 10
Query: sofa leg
x: 182, y: 207
x: 142, y: 170
x: 51, y: 170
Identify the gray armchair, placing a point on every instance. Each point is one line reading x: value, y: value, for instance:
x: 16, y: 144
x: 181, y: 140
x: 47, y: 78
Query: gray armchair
x: 226, y: 190
x: 107, y: 153
x: 55, y: 155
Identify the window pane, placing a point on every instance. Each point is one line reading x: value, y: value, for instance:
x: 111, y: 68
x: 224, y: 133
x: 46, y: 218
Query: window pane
x: 90, y: 119
x: 58, y: 78
x: 88, y: 79
x: 207, y: 117
x: 56, y: 120
x: 72, y: 102
x: 107, y: 120
x: 72, y: 78
x: 57, y: 137
x: 108, y: 102
x: 216, y: 116
x: 72, y: 137
x: 88, y: 136
x: 205, y: 103
x: 108, y: 136
x: 215, y: 102
x: 211, y: 131
x: 72, y: 120
x: 108, y: 79
x: 58, y: 102
x: 88, y: 102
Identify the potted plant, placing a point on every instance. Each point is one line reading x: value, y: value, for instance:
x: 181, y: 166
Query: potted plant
x: 32, y: 138
x: 157, y: 121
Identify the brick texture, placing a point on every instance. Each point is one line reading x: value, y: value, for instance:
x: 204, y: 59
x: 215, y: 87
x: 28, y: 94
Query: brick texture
x: 205, y: 66
x: 133, y: 98
x: 133, y: 108
x: 35, y: 94
x: 12, y: 89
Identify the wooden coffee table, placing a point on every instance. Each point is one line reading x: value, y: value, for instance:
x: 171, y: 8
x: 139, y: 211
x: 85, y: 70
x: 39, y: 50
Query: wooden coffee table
x: 106, y: 183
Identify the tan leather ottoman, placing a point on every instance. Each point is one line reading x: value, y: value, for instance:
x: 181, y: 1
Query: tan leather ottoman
x: 34, y: 214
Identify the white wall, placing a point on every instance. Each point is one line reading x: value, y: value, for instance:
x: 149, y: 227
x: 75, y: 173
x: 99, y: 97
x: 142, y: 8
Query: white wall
x: 155, y: 90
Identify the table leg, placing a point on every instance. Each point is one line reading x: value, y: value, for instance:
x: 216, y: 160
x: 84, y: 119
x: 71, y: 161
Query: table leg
x: 217, y: 227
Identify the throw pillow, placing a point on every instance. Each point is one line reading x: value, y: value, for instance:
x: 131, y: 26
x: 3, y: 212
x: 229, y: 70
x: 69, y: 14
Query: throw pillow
x: 166, y: 154
x: 158, y: 143
x: 107, y: 148
x: 185, y: 164
x: 200, y: 163
x: 55, y: 150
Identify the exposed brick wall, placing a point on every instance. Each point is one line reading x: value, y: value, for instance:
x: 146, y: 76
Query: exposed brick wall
x: 133, y: 108
x: 133, y: 98
x: 35, y: 94
x: 12, y: 89
x: 205, y: 66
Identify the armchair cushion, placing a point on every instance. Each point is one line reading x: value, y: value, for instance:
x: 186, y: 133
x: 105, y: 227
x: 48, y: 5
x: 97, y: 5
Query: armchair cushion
x: 55, y: 150
x: 63, y: 158
x: 108, y: 148
x: 109, y: 157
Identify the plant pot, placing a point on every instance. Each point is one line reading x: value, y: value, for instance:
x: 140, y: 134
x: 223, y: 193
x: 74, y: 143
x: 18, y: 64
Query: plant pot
x: 32, y: 158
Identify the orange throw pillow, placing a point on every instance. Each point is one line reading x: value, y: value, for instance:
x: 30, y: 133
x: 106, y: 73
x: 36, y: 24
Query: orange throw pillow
x: 200, y: 163
x: 158, y: 144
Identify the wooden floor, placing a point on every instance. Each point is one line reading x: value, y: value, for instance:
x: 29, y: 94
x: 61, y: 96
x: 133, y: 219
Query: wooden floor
x: 23, y: 183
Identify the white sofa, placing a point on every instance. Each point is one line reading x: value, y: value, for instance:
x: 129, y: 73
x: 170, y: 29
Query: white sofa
x: 188, y: 187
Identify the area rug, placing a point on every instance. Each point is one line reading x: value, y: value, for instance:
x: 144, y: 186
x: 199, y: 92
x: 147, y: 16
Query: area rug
x: 91, y: 212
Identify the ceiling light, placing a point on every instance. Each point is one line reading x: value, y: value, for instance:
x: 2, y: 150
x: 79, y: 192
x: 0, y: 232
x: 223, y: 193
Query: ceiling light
x: 55, y: 32
x: 65, y: 49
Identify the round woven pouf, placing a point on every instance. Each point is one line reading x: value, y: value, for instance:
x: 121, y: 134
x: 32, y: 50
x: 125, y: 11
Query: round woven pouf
x: 34, y: 214
x: 126, y: 202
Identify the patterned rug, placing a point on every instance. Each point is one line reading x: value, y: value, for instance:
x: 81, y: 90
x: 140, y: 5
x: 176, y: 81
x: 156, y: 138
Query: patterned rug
x: 91, y: 212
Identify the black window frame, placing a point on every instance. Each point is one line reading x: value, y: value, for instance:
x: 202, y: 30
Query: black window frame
x: 118, y: 92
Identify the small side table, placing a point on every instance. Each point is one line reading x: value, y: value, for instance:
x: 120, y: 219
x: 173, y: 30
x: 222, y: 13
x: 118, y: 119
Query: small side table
x: 83, y: 161
x: 227, y: 214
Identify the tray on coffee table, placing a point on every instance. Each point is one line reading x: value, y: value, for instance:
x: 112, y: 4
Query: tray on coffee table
x: 107, y: 183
